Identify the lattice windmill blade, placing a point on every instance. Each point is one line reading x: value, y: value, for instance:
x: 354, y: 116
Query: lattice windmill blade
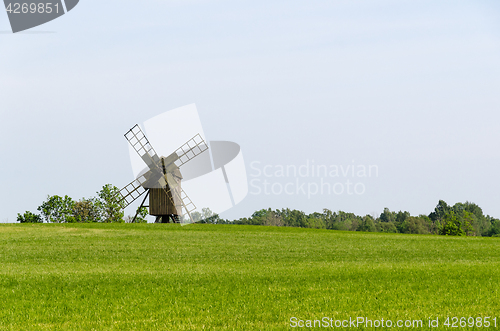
x: 131, y: 192
x: 181, y: 201
x: 141, y: 145
x: 191, y: 149
x: 187, y: 204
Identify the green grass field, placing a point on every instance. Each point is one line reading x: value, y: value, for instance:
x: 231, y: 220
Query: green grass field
x: 228, y: 277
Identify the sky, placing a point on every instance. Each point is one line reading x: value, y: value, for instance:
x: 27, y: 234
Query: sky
x: 408, y: 88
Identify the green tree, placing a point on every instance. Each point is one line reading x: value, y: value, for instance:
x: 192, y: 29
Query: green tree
x: 272, y: 219
x: 367, y: 224
x: 470, y: 224
x: 415, y: 225
x: 29, y: 217
x: 140, y: 218
x: 401, y: 217
x: 294, y: 218
x: 315, y: 223
x: 433, y: 227
x: 208, y: 217
x: 454, y: 226
x: 387, y: 227
x: 242, y: 221
x: 440, y: 211
x: 495, y: 228
x: 481, y: 223
x: 57, y: 209
x: 342, y: 221
x: 86, y: 211
x: 387, y: 216
x: 109, y: 209
x: 142, y: 214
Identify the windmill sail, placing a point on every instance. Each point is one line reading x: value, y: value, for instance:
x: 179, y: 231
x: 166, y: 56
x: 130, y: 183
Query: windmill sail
x: 191, y: 149
x: 141, y: 145
x: 131, y: 192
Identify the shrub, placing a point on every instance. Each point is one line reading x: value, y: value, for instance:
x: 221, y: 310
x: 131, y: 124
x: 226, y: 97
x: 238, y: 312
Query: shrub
x: 29, y: 217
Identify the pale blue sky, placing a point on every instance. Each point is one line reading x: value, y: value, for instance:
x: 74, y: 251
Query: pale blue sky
x: 410, y: 86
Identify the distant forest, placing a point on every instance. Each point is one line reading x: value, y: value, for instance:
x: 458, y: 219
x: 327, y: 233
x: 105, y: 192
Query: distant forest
x: 461, y: 219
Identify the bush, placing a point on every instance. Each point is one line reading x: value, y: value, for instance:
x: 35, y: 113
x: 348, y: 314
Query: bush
x: 29, y: 217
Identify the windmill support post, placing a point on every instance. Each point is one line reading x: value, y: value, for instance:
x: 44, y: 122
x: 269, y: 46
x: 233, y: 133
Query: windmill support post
x: 139, y: 209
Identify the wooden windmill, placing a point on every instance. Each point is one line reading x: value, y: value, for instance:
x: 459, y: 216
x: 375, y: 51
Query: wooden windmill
x: 161, y: 180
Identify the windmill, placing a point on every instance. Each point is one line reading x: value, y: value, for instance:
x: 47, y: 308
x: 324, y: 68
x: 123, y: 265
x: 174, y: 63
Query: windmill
x: 161, y: 179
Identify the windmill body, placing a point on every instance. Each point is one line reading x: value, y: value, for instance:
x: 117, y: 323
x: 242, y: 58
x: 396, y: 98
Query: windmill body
x: 165, y: 203
x: 161, y: 179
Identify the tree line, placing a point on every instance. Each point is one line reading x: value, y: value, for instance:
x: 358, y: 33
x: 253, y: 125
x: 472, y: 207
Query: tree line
x: 461, y: 219
x: 101, y: 209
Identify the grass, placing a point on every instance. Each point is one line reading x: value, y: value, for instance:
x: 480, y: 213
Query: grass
x: 227, y: 277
